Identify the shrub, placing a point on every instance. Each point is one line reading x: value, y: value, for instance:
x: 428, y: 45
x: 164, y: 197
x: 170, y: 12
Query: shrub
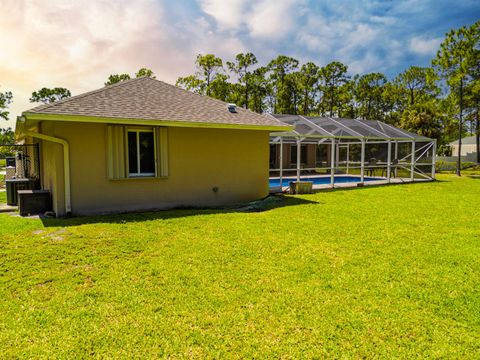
x: 450, y: 166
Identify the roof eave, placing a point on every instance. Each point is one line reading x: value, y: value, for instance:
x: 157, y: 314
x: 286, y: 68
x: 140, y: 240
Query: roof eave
x: 150, y: 122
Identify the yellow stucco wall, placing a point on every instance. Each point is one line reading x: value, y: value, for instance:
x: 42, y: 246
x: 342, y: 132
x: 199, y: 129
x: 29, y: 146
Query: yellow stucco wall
x: 235, y: 161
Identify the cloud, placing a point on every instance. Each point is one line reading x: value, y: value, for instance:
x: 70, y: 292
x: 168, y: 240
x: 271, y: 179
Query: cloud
x: 273, y: 19
x: 227, y: 14
x: 422, y: 46
x: 354, y: 44
x: 262, y: 19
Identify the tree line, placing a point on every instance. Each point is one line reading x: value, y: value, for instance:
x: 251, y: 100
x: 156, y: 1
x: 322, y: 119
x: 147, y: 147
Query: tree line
x: 440, y: 101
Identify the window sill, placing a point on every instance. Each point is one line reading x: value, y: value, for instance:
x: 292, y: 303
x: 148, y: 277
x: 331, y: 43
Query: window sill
x: 142, y: 178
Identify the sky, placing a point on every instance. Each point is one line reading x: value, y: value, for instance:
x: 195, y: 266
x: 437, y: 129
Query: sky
x: 78, y: 44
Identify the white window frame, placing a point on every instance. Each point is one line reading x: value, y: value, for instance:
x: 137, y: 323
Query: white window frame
x: 137, y: 131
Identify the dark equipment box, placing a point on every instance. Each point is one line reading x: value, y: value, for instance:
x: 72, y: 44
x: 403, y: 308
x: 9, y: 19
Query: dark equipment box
x: 33, y: 202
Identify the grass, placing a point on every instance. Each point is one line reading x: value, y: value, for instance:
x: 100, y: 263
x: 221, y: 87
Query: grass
x: 380, y: 272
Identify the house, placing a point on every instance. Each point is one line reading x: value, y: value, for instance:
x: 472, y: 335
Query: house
x: 144, y: 144
x: 469, y: 146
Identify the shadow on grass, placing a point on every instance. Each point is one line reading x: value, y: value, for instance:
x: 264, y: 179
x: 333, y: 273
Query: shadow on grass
x: 269, y: 203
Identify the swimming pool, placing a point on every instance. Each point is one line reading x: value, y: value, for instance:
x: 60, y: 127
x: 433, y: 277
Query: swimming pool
x: 321, y: 180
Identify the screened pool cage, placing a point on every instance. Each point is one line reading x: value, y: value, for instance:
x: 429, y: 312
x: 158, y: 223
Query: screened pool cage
x: 335, y: 152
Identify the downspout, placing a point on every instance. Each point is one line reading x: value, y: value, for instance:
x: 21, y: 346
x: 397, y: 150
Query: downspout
x: 66, y: 164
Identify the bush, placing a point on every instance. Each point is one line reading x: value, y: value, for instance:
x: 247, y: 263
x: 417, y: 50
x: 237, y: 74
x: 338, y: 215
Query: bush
x: 6, y: 151
x: 450, y: 166
x: 444, y: 150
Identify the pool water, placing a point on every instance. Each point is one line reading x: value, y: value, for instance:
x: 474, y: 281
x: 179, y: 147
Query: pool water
x: 321, y: 180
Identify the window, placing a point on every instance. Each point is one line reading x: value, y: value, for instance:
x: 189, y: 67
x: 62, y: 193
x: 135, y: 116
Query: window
x: 137, y: 152
x: 141, y: 153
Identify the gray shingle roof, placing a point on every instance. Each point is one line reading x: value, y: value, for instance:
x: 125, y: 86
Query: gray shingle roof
x: 150, y: 99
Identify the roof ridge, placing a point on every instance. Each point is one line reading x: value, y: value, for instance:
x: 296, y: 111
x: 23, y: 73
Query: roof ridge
x: 79, y: 96
x: 124, y: 82
x: 208, y: 97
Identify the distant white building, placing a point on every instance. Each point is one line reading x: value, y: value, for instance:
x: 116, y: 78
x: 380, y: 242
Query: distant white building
x: 469, y: 147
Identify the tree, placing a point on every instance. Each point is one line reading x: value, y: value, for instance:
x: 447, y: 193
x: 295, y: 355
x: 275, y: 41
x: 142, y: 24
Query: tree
x: 279, y: 68
x: 7, y: 137
x: 308, y: 79
x: 332, y: 77
x: 472, y: 104
x: 454, y: 62
x: 392, y: 104
x: 220, y: 88
x: 191, y: 83
x: 293, y: 88
x: 260, y: 88
x: 208, y: 66
x: 116, y: 78
x: 447, y: 108
x: 48, y: 96
x: 368, y: 92
x: 5, y: 100
x: 346, y: 96
x: 241, y: 67
x: 472, y: 90
x: 418, y: 83
x: 145, y: 72
x: 423, y: 121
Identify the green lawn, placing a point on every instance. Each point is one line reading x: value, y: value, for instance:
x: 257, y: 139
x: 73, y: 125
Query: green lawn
x: 375, y: 272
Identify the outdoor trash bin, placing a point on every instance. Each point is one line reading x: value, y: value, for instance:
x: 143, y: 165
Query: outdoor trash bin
x: 301, y: 187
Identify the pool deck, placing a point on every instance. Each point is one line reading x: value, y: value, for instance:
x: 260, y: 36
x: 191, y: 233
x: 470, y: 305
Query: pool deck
x: 349, y: 185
